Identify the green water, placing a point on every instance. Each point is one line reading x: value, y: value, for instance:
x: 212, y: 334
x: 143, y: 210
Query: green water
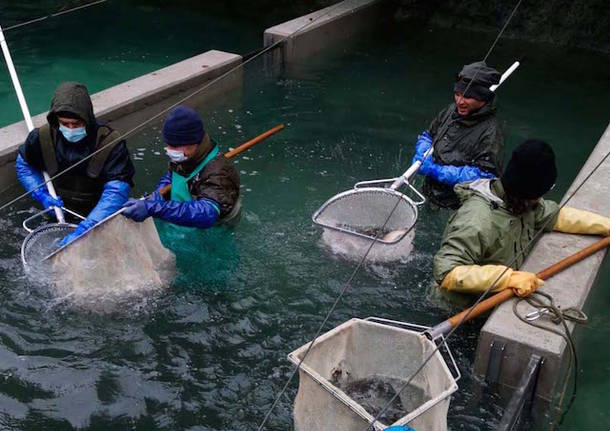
x: 115, y: 41
x: 210, y: 352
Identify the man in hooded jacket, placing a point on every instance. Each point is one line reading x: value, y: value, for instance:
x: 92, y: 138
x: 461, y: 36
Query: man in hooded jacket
x: 203, y: 184
x: 97, y: 187
x: 491, y: 234
x: 468, y: 139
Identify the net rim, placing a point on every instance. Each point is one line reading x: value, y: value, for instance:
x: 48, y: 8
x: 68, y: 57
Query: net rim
x: 37, y: 232
x: 412, y: 206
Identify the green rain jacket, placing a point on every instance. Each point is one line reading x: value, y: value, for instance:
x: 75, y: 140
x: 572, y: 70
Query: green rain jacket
x: 483, y: 231
x: 475, y: 140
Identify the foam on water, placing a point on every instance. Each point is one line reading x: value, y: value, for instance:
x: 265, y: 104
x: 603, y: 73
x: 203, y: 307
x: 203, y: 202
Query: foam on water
x: 353, y: 247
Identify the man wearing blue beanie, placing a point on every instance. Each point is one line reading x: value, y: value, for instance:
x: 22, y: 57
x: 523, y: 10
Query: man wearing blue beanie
x: 204, y: 184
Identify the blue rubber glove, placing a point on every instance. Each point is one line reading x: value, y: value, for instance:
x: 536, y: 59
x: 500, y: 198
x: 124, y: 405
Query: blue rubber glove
x: 424, y: 142
x: 399, y: 428
x: 200, y: 213
x: 136, y: 210
x: 114, y: 195
x: 80, y: 229
x: 452, y: 175
x: 31, y: 178
x: 44, y: 197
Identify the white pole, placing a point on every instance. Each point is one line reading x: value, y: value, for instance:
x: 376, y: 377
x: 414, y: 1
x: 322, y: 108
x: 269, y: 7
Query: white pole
x: 26, y: 115
x: 505, y: 75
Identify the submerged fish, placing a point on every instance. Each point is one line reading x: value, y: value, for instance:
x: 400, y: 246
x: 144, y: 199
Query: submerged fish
x: 374, y: 393
x: 376, y: 232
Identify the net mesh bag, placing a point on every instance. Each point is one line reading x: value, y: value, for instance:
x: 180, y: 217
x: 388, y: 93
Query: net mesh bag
x: 353, y: 372
x: 351, y: 220
x: 365, y: 211
x: 118, y: 260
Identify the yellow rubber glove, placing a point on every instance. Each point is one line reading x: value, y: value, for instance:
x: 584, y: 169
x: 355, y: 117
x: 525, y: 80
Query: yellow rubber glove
x: 572, y: 220
x: 524, y: 283
x: 476, y: 279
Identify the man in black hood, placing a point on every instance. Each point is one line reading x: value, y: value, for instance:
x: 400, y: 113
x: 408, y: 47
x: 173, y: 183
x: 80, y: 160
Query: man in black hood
x: 468, y: 140
x: 97, y: 187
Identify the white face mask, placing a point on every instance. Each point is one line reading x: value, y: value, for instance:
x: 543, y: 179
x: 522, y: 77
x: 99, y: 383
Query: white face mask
x: 175, y: 156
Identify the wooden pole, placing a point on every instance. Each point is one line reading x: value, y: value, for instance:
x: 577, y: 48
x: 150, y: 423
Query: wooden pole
x: 500, y: 297
x: 243, y: 147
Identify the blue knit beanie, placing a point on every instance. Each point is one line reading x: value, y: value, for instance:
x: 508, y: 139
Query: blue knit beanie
x: 182, y: 127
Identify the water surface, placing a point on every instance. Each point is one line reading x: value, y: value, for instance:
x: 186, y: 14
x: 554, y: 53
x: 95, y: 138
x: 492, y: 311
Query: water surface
x: 210, y: 352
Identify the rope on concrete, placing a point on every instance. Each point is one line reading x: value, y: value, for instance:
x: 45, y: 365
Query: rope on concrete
x: 488, y: 290
x: 558, y: 315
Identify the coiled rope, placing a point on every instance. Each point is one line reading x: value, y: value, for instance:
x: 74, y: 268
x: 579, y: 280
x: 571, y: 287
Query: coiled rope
x: 545, y: 305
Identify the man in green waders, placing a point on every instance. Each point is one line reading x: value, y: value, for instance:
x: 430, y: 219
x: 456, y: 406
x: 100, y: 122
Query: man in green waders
x: 498, y: 220
x: 204, y: 184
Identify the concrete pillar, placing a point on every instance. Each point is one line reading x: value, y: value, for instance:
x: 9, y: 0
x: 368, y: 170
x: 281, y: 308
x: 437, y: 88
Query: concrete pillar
x: 319, y: 30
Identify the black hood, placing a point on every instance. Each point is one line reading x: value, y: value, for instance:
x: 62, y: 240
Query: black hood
x: 72, y: 97
x: 475, y: 79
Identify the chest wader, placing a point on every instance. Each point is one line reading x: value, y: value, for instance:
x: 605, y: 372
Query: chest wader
x: 80, y: 193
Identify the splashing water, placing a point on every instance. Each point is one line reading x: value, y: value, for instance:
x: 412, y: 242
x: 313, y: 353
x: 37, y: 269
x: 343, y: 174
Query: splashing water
x: 353, y: 247
x: 117, y: 262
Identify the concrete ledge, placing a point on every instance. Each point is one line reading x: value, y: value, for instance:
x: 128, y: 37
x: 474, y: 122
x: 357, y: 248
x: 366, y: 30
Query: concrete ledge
x: 569, y: 288
x: 328, y: 27
x: 138, y: 94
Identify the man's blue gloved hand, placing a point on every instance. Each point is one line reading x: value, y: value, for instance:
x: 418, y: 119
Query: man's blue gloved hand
x: 424, y: 142
x: 399, y: 428
x: 428, y: 167
x: 136, y: 210
x: 45, y: 198
x: 82, y: 227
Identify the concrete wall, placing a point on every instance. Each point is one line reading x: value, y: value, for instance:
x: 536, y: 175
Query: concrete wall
x: 320, y: 30
x: 569, y: 288
x: 133, y: 102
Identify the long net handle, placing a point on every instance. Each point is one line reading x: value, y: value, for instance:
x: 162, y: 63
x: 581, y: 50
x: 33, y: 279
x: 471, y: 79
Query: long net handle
x: 252, y: 142
x: 545, y: 274
x: 26, y: 115
x: 243, y: 147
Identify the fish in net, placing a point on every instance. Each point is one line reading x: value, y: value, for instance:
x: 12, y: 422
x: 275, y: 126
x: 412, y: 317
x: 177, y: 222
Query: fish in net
x: 375, y: 393
x: 352, y: 220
